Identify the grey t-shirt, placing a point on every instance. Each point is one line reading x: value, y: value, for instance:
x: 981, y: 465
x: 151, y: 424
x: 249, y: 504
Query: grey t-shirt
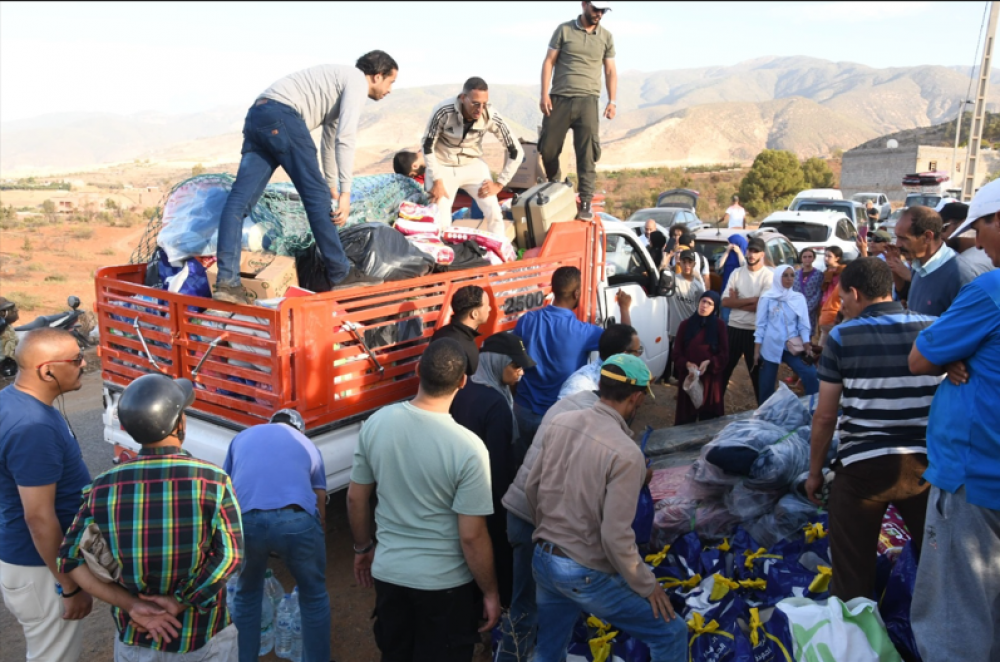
x: 581, y: 59
x: 428, y: 470
x: 330, y: 95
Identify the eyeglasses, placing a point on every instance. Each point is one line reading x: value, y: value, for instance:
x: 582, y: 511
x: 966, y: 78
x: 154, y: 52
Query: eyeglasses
x: 477, y: 104
x: 636, y: 352
x: 78, y: 361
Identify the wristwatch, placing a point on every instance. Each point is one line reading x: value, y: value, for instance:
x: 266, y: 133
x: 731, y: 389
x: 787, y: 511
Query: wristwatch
x: 367, y: 548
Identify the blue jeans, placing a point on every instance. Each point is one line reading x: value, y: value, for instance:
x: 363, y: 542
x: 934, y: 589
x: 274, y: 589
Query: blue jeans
x: 565, y: 588
x: 519, y: 623
x: 275, y: 135
x: 769, y: 375
x: 528, y: 423
x: 297, y: 537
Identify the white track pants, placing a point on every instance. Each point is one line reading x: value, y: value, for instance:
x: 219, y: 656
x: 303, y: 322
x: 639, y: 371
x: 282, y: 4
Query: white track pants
x: 468, y: 177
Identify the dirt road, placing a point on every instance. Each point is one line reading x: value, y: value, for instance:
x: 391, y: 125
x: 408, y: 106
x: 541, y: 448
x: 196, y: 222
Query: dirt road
x: 352, y: 606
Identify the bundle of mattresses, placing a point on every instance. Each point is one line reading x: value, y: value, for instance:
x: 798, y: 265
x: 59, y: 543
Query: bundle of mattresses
x: 417, y: 222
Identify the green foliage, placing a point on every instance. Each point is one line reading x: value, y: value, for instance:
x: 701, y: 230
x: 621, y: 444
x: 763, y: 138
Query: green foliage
x: 774, y: 178
x: 8, y: 218
x: 110, y: 204
x: 30, y: 184
x: 199, y: 169
x: 817, y: 173
x: 24, y: 300
x: 36, y: 266
x: 107, y: 251
x: 81, y: 233
x: 55, y: 278
x: 27, y: 246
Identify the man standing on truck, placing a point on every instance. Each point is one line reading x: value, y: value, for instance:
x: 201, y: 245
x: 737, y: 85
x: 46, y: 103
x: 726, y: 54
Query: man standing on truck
x: 171, y: 524
x: 745, y: 287
x: 560, y: 343
x: 470, y: 308
x: 578, y: 50
x: 735, y: 216
x: 582, y: 493
x: 276, y: 133
x: 432, y: 479
x: 453, y: 152
x: 42, y: 475
x: 280, y: 480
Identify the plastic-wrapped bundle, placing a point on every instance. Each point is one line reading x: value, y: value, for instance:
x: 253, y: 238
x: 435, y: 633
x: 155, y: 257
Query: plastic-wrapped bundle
x: 738, y: 446
x: 745, y: 502
x: 784, y: 409
x: 790, y: 514
x: 678, y: 516
x: 491, y: 242
x: 434, y: 247
x: 408, y: 227
x: 411, y: 211
x: 779, y: 464
x: 381, y: 252
x: 191, y: 217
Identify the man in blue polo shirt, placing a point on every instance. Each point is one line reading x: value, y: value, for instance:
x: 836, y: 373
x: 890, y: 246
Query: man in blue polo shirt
x: 956, y: 602
x: 559, y: 344
x: 280, y: 481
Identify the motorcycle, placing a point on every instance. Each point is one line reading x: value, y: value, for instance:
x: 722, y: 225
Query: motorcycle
x: 68, y: 321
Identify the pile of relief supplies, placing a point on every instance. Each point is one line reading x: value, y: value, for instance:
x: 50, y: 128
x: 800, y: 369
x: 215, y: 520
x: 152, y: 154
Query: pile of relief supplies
x: 390, y: 234
x: 745, y: 559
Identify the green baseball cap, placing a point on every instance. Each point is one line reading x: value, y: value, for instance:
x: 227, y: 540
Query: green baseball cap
x: 634, y: 368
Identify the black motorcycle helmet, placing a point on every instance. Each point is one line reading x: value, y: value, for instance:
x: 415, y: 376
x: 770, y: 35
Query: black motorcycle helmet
x: 151, y: 406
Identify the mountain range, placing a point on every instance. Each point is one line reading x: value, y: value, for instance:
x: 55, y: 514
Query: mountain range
x: 665, y: 118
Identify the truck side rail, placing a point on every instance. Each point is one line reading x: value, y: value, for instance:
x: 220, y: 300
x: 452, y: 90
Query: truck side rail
x: 332, y: 356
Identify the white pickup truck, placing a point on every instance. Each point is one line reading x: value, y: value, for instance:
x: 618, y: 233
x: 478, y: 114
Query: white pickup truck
x: 339, y: 356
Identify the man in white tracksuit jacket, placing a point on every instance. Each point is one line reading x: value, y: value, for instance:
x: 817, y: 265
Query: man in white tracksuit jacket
x: 453, y: 150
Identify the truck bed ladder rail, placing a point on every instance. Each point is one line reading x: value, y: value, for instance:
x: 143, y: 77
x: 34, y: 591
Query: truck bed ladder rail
x: 353, y: 328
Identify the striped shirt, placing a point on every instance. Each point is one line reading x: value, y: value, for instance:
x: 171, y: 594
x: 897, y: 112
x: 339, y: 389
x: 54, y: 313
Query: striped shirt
x: 885, y: 407
x: 173, y: 525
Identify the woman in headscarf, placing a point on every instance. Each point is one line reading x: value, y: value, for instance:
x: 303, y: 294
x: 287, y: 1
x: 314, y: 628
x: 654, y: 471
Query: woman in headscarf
x: 485, y: 406
x: 782, y: 335
x: 702, y: 340
x: 687, y: 292
x: 732, y: 259
x: 829, y: 310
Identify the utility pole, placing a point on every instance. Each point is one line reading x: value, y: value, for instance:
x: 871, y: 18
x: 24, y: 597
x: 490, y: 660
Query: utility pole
x: 958, y: 131
x: 979, y: 114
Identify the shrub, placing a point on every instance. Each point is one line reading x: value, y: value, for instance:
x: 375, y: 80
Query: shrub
x: 107, y: 251
x: 36, y: 266
x: 24, y: 300
x: 81, y: 233
x: 55, y: 278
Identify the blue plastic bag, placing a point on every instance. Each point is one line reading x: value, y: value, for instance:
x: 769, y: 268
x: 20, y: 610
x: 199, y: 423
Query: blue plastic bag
x: 895, y: 604
x: 645, y: 509
x: 769, y: 638
x: 751, y: 560
x: 711, y: 636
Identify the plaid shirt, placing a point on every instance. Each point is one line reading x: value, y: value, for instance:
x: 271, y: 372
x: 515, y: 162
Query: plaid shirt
x: 173, y: 524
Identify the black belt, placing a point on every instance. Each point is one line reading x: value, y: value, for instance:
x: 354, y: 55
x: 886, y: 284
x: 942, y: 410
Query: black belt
x: 294, y: 507
x: 551, y: 549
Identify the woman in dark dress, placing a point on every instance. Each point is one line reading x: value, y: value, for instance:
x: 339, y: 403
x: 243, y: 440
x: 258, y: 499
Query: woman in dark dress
x: 702, y: 338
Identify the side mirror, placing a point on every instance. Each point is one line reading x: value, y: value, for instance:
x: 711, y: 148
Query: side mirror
x: 73, y: 302
x: 666, y: 285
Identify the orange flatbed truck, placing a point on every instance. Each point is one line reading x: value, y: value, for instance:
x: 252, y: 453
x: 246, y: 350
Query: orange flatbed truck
x: 339, y: 356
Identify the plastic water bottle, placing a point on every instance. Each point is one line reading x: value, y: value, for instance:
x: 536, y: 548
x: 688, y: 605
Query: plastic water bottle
x: 296, y: 627
x: 273, y: 589
x: 266, y: 625
x: 283, y: 640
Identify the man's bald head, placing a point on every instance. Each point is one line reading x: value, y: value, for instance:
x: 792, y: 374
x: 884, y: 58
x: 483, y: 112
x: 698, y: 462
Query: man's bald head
x: 43, y: 345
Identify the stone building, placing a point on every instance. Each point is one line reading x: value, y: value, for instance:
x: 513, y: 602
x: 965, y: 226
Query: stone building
x: 881, y: 169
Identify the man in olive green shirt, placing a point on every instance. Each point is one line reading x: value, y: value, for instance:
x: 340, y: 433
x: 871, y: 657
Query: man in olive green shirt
x: 577, y: 51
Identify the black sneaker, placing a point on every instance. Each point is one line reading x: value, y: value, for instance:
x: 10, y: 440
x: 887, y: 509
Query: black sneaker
x: 585, y: 213
x: 230, y: 294
x: 357, y: 277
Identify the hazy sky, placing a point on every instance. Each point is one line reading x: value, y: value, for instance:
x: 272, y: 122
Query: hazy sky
x: 185, y: 57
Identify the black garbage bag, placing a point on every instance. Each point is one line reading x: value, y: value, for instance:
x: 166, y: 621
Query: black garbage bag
x: 311, y: 270
x: 468, y: 255
x: 383, y: 252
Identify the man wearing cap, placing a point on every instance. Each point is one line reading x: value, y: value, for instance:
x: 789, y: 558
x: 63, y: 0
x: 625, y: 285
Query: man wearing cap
x: 42, y: 475
x: 578, y: 50
x: 746, y: 285
x: 582, y: 493
x: 616, y: 339
x: 485, y: 407
x: 936, y: 273
x: 280, y: 481
x: 875, y: 246
x: 954, y: 214
x: 172, y: 525
x: 956, y: 601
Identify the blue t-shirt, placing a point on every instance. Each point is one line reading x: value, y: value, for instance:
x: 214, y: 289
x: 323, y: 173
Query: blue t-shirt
x: 963, y: 435
x: 36, y: 448
x: 275, y: 466
x: 559, y: 343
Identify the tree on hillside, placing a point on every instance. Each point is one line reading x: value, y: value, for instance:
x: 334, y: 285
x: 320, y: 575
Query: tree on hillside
x: 199, y: 169
x: 49, y: 209
x: 774, y: 178
x: 817, y: 173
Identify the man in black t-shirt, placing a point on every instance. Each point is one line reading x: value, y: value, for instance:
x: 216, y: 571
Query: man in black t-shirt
x: 470, y: 307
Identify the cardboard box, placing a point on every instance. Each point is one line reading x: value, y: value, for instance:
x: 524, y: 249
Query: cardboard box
x: 271, y: 281
x: 253, y: 263
x: 530, y: 169
x: 480, y: 224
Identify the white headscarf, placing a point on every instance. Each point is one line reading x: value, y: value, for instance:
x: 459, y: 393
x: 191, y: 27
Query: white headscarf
x: 786, y: 295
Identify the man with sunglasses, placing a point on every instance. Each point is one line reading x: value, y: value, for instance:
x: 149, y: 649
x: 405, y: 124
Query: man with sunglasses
x: 578, y: 51
x: 42, y: 476
x: 453, y: 154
